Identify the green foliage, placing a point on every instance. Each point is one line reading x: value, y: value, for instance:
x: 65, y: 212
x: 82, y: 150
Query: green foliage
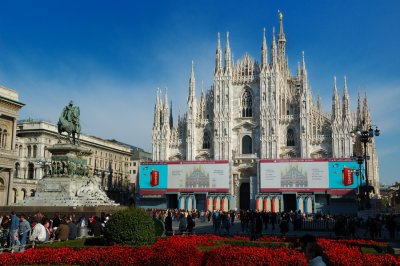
x: 131, y: 226
x: 75, y: 244
x: 158, y: 226
x: 261, y: 244
x: 244, y: 243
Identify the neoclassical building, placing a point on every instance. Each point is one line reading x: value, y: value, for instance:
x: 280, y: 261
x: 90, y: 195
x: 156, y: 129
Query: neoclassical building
x: 109, y: 160
x: 9, y: 108
x: 258, y: 109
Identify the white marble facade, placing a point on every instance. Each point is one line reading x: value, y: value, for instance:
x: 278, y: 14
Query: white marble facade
x: 260, y: 111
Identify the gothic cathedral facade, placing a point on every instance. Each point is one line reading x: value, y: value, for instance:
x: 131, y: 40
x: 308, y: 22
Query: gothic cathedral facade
x: 256, y: 111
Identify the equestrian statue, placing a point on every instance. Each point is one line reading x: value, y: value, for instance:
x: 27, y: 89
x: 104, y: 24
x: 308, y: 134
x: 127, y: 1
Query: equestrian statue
x: 69, y: 122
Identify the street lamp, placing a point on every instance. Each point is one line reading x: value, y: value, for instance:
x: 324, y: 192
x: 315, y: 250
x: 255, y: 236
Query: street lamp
x: 365, y: 137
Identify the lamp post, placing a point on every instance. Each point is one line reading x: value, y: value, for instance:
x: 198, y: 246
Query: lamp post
x: 365, y: 137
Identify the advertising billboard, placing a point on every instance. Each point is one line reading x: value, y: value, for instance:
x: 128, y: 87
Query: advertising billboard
x: 308, y: 175
x: 339, y: 172
x: 294, y: 174
x: 184, y: 176
x: 198, y: 176
x: 153, y: 176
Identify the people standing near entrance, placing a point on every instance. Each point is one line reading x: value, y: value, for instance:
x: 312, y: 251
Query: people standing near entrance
x: 259, y: 224
x: 284, y: 224
x: 265, y: 217
x: 232, y: 214
x: 273, y: 220
x: 252, y: 227
x: 216, y: 222
x: 190, y: 223
x: 182, y: 223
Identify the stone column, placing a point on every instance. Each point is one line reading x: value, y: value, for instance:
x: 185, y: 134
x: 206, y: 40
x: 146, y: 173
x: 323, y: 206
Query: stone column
x: 236, y: 188
x: 13, y: 134
x: 10, y: 187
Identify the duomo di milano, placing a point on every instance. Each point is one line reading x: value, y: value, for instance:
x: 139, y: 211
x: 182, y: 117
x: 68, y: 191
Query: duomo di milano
x: 260, y: 111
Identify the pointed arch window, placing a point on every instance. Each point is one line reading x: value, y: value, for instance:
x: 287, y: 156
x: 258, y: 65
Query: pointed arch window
x: 247, y: 145
x: 247, y: 104
x: 290, y: 137
x: 206, y: 140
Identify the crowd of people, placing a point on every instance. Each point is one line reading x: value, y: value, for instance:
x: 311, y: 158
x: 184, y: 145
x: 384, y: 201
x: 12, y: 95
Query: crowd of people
x: 22, y: 230
x: 255, y: 223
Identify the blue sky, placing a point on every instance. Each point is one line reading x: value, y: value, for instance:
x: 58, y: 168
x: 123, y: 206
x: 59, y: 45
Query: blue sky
x: 111, y: 56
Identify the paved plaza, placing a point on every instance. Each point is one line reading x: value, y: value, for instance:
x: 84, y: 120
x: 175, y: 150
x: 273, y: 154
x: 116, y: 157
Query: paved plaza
x: 236, y: 230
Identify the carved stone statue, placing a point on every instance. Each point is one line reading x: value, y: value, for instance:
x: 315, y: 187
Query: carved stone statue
x: 69, y: 122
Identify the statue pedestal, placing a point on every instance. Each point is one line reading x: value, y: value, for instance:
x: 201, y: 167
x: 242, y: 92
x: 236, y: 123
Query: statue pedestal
x: 68, y: 182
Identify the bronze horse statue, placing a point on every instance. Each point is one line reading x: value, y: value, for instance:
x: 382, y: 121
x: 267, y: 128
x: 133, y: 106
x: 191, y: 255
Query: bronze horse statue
x: 69, y: 122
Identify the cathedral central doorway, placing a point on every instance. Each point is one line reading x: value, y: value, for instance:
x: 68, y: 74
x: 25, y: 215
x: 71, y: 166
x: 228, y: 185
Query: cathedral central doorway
x: 201, y: 201
x: 172, y: 201
x: 289, y: 202
x: 244, y: 194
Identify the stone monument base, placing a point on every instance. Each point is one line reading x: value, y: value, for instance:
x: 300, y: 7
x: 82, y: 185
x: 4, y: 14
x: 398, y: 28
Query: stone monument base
x: 67, y: 181
x: 68, y: 191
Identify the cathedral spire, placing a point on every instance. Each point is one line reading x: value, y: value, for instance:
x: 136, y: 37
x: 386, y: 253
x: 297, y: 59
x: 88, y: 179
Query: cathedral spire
x: 273, y: 49
x: 298, y: 70
x: 346, y: 100
x: 202, y: 102
x: 166, y: 99
x: 157, y: 111
x: 281, y: 40
x: 367, y: 116
x: 227, y: 55
x: 159, y: 102
x: 335, y: 101
x: 192, y: 84
x: 359, y: 110
x: 171, y: 118
x: 218, y: 59
x: 165, y: 111
x: 319, y: 103
x: 303, y: 65
x: 264, y: 52
x: 281, y: 33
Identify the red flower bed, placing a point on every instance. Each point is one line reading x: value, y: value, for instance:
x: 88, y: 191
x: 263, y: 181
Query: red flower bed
x: 253, y: 256
x: 182, y: 250
x: 344, y: 253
